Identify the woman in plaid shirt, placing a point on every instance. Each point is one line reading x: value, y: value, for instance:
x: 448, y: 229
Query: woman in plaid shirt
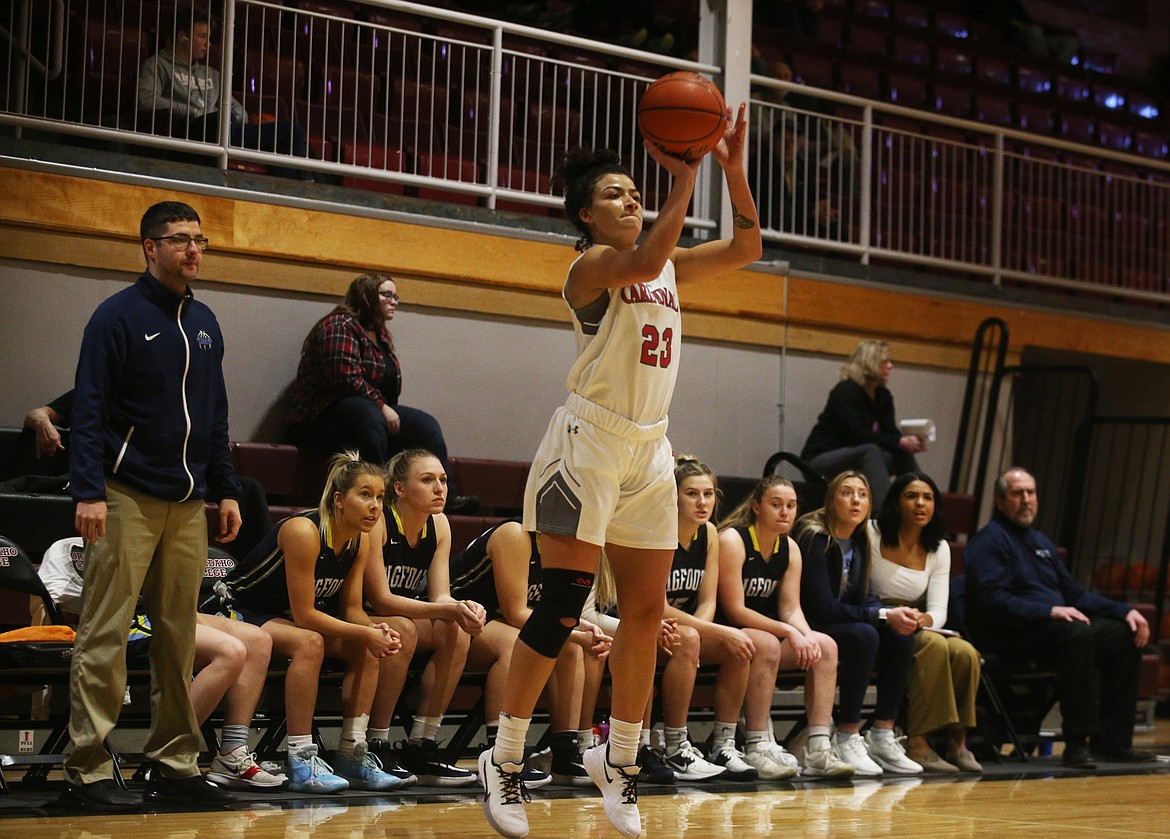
x: 345, y: 395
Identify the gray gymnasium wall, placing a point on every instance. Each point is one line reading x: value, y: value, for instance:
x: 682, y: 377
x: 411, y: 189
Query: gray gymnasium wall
x: 492, y: 382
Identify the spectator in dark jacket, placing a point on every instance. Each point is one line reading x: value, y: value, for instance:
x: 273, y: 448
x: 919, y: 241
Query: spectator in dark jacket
x: 837, y: 600
x: 857, y: 429
x: 1023, y: 603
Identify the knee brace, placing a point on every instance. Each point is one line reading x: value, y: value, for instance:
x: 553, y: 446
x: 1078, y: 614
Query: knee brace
x: 562, y: 595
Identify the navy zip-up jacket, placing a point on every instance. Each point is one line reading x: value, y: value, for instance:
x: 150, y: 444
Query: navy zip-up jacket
x: 1015, y: 576
x: 821, y: 597
x: 150, y: 405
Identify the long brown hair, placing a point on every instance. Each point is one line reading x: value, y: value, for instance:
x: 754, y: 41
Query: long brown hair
x: 362, y: 301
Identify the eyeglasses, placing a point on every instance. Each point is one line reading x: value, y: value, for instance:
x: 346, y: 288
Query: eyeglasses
x: 181, y: 241
x: 389, y: 295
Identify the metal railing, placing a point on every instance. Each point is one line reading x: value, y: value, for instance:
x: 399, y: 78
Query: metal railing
x: 437, y: 104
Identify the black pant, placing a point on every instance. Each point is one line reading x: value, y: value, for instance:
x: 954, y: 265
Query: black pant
x: 1097, y: 668
x: 861, y: 650
x: 279, y: 137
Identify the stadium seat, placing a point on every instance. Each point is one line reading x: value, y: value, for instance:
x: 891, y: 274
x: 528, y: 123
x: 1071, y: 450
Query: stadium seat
x: 909, y: 48
x: 449, y: 169
x: 374, y: 156
x: 953, y: 59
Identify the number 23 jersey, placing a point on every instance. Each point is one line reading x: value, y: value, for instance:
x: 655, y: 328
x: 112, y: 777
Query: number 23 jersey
x: 628, y: 348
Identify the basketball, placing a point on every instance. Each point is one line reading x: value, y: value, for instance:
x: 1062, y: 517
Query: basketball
x: 683, y: 114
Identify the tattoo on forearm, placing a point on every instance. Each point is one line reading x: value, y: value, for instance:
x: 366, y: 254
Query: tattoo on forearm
x: 740, y: 220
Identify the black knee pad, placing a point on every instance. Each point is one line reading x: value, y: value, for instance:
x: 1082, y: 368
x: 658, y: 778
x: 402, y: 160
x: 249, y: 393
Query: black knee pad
x: 562, y: 595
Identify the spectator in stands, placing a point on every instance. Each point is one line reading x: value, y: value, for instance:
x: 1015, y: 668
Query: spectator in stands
x: 180, y: 82
x: 501, y: 571
x: 303, y: 586
x: 791, y: 199
x: 912, y: 567
x: 1022, y: 31
x: 838, y: 600
x: 408, y: 577
x: 345, y: 395
x: 153, y: 412
x: 759, y: 591
x: 857, y: 428
x: 231, y: 663
x: 1023, y: 604
x: 602, y: 474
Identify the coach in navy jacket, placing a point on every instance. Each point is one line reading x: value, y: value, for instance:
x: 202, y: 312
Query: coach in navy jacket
x: 149, y: 442
x: 1024, y: 604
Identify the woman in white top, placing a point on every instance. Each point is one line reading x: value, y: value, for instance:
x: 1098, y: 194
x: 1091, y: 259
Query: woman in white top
x: 912, y: 564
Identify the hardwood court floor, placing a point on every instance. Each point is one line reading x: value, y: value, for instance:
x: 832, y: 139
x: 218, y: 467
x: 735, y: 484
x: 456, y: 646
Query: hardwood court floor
x: 1132, y: 805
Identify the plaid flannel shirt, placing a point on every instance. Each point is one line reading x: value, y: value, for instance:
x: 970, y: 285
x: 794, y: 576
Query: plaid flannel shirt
x: 338, y: 359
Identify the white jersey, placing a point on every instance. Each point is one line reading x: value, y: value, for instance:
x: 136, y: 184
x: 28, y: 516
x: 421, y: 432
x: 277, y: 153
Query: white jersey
x: 628, y: 345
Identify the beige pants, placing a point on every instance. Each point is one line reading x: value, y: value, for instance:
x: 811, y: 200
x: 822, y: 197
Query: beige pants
x: 943, y: 683
x: 157, y: 549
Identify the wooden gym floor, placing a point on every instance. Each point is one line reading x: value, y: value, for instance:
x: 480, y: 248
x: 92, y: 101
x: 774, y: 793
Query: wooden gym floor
x: 1035, y: 799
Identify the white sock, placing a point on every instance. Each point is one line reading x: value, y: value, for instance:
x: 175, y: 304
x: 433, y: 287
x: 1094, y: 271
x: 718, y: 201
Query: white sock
x: 722, y: 732
x: 510, y: 737
x: 424, y: 728
x: 624, y: 739
x: 643, y: 737
x: 818, y: 735
x: 353, y: 731
x: 584, y: 739
x: 753, y: 738
x: 881, y: 733
x: 296, y: 742
x: 378, y: 733
x: 674, y: 738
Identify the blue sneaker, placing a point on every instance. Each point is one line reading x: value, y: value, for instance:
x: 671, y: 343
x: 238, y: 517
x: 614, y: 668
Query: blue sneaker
x: 309, y: 773
x: 363, y: 770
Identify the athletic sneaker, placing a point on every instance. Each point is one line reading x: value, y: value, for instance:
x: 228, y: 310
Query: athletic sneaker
x: 890, y: 754
x: 567, y: 767
x: 619, y: 790
x: 688, y: 764
x: 772, y: 761
x: 307, y: 772
x: 533, y: 778
x: 651, y: 769
x: 852, y: 750
x: 384, y: 751
x: 823, y: 762
x: 422, y: 760
x: 738, y: 768
x: 238, y: 770
x: 504, y: 796
x: 363, y: 770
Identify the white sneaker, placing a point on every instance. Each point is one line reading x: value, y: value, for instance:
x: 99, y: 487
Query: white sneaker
x: 238, y: 770
x: 823, y: 763
x: 504, y: 796
x: 619, y: 790
x: 738, y: 767
x: 688, y: 764
x: 771, y: 761
x: 890, y: 754
x: 852, y: 750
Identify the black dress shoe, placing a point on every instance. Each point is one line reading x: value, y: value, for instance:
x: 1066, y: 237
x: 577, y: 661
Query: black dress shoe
x: 464, y: 505
x: 194, y: 790
x: 1123, y: 756
x: 100, y: 796
x: 1078, y: 757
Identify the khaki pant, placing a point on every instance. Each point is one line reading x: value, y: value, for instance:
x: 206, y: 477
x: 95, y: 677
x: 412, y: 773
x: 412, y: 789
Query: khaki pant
x: 943, y: 683
x: 157, y: 549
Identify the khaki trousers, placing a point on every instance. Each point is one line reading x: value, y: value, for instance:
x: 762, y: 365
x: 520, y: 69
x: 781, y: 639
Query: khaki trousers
x: 157, y: 549
x: 943, y: 683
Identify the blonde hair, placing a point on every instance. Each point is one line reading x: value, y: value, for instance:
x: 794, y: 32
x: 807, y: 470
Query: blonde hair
x: 866, y: 361
x: 344, y: 470
x: 744, y: 514
x: 398, y: 469
x: 604, y: 588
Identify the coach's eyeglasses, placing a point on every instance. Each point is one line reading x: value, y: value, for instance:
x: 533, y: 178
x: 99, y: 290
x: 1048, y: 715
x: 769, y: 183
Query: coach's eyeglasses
x: 181, y: 241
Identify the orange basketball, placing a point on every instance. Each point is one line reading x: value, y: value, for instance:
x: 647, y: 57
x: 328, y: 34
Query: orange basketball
x: 683, y: 114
